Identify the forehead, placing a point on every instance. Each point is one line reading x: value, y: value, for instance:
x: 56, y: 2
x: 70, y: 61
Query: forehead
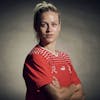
x: 49, y: 15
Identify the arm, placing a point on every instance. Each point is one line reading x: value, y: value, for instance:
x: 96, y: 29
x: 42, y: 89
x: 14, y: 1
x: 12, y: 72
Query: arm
x: 78, y: 95
x: 55, y: 92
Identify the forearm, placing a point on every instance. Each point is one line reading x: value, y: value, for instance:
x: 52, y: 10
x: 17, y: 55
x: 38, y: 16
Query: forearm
x: 61, y: 93
x: 64, y: 93
x: 78, y: 95
x: 72, y: 93
x: 55, y: 92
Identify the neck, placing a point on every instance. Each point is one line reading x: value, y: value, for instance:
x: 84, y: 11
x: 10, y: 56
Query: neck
x: 50, y: 46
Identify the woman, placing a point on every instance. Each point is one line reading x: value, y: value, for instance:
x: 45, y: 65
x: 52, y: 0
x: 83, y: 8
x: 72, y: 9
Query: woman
x: 48, y: 73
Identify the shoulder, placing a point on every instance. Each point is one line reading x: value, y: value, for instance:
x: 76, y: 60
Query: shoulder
x: 36, y: 60
x: 64, y: 55
x: 37, y: 54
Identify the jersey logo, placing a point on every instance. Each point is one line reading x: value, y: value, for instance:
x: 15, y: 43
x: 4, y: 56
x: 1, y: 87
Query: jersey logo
x: 54, y: 70
x: 62, y: 68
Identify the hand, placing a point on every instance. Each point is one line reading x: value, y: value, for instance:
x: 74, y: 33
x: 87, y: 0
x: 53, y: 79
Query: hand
x: 78, y: 94
x: 73, y: 88
x: 55, y: 82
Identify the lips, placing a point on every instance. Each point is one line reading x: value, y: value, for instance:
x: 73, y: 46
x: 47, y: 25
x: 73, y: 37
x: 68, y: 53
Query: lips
x: 49, y: 35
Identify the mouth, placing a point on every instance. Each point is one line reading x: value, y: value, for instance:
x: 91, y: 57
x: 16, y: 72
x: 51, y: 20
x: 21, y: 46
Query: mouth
x: 49, y: 35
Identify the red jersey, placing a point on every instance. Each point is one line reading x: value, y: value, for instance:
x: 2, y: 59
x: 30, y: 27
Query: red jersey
x: 39, y: 68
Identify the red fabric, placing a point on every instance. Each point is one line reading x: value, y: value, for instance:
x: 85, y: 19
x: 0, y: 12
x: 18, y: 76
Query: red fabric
x: 39, y: 68
x: 40, y: 71
x: 74, y: 78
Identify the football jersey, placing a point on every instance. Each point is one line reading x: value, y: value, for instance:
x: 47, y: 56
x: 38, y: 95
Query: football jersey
x: 39, y: 68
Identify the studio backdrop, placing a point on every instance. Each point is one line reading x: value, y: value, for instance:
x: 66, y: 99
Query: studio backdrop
x: 80, y: 38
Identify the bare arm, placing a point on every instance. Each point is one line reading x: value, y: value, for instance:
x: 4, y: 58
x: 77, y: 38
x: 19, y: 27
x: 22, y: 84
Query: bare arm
x: 55, y: 92
x: 78, y: 95
x: 58, y: 93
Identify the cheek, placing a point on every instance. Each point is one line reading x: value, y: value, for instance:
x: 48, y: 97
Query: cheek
x: 57, y: 30
x: 42, y: 31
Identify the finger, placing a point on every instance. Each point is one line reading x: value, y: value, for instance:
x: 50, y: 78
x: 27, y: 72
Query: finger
x: 54, y: 78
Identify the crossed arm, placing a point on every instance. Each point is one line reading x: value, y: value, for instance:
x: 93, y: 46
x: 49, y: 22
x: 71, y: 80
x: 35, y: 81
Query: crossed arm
x: 55, y: 92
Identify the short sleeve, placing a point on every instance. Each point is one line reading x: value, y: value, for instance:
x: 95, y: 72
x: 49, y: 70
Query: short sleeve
x: 74, y: 77
x: 37, y: 70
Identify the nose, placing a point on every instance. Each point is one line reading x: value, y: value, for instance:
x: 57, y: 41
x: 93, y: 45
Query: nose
x: 49, y: 28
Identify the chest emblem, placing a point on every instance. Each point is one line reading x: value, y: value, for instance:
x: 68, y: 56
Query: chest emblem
x: 54, y: 70
x: 62, y: 68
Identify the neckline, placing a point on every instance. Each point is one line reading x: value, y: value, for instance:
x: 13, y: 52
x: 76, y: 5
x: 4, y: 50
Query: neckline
x: 56, y: 55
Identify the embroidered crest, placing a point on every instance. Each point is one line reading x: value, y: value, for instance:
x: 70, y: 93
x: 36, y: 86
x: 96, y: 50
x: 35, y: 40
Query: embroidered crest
x: 62, y: 68
x: 54, y: 70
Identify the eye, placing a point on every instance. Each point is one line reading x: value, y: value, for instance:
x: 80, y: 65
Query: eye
x: 43, y: 25
x: 54, y: 24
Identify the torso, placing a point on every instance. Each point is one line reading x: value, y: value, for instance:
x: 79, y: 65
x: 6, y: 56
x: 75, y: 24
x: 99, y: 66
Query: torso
x: 59, y: 64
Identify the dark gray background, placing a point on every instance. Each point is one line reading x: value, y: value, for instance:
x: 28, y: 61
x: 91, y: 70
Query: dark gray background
x: 80, y: 38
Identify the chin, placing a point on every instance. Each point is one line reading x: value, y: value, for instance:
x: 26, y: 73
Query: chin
x: 48, y: 42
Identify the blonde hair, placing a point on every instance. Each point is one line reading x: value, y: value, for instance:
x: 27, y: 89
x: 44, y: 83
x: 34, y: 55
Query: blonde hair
x: 44, y: 5
x: 39, y: 9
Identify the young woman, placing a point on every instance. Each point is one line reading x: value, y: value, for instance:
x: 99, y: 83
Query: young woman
x: 48, y: 73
